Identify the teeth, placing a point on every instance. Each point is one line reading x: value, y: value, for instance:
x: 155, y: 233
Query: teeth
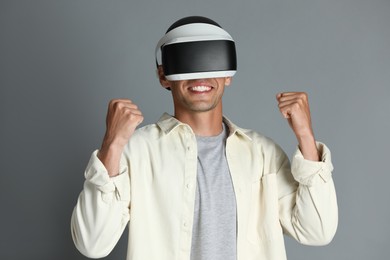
x: 200, y: 88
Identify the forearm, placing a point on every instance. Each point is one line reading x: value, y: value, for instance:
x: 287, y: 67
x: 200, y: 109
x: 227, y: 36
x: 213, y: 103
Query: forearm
x: 314, y: 216
x: 308, y: 147
x: 310, y: 214
x: 102, y: 210
x: 110, y: 156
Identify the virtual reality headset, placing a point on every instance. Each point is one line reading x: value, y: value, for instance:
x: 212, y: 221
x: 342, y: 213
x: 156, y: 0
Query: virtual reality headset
x: 196, y: 50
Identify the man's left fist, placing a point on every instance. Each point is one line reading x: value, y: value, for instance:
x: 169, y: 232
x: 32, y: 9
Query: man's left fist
x: 294, y: 106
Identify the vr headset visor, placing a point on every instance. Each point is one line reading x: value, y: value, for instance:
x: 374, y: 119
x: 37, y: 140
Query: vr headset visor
x: 196, y: 50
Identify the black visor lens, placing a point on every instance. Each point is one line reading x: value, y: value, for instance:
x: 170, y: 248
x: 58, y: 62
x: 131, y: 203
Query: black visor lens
x: 199, y: 56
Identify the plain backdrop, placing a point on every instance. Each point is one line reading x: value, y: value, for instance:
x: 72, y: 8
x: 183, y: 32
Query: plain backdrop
x: 62, y: 61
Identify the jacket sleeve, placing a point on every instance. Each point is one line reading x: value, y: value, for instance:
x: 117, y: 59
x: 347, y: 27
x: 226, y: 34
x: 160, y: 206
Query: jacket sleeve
x: 102, y: 210
x: 309, y: 213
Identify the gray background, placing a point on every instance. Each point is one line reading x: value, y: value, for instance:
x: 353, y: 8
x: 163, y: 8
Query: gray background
x: 62, y: 61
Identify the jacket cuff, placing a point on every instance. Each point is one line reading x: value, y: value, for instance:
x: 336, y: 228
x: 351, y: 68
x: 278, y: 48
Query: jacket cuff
x: 97, y: 174
x: 309, y: 172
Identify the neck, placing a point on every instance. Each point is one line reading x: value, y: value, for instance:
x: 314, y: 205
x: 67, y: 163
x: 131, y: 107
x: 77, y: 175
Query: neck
x: 203, y: 123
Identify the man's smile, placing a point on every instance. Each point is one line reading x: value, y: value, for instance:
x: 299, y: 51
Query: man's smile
x: 200, y: 89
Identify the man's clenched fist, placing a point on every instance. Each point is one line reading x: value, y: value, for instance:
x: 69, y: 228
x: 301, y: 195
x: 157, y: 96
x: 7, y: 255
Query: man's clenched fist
x: 123, y: 117
x: 294, y: 106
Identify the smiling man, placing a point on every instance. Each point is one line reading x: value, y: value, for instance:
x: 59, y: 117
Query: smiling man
x: 194, y: 185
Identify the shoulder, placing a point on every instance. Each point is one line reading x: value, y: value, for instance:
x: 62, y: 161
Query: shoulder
x: 258, y: 137
x: 146, y: 133
x: 143, y: 136
x: 253, y: 136
x: 265, y: 145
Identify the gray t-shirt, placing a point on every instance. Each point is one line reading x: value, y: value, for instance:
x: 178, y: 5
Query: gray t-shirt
x: 215, y: 229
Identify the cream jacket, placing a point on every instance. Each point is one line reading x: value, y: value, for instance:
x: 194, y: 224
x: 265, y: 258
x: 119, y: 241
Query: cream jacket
x: 155, y: 194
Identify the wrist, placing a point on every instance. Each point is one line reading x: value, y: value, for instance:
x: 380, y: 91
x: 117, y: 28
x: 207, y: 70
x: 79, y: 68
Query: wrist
x: 110, y: 156
x: 308, y: 147
x: 306, y: 138
x: 109, y: 151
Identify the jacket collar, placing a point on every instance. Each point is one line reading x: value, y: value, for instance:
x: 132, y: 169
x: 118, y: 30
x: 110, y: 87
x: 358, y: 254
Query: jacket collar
x: 168, y: 123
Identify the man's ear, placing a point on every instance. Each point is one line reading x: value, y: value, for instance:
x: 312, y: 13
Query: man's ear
x: 228, y: 81
x: 161, y: 77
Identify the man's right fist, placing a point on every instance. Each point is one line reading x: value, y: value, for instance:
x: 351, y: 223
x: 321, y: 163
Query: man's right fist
x: 123, y: 117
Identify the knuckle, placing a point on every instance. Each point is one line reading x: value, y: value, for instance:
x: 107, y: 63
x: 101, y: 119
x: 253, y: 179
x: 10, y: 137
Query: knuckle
x: 132, y: 116
x: 112, y: 102
x: 119, y: 105
x: 128, y: 112
x: 296, y: 105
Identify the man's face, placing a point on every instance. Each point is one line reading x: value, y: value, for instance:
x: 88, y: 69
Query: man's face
x: 199, y: 95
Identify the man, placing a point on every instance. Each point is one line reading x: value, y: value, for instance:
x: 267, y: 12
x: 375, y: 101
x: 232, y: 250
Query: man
x: 194, y: 185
